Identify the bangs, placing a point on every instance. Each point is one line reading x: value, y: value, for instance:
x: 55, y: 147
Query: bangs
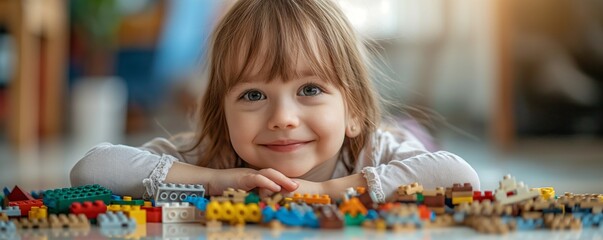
x: 269, y: 45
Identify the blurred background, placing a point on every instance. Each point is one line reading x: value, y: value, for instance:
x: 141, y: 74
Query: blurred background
x: 512, y: 86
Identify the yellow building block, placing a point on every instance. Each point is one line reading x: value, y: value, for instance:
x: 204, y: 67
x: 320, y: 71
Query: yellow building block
x: 38, y: 212
x: 254, y: 214
x: 458, y: 200
x: 547, y: 192
x: 133, y: 211
x: 213, y: 211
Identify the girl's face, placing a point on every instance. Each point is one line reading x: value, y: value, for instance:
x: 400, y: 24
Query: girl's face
x: 290, y: 126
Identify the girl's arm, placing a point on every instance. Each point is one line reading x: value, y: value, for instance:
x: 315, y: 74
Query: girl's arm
x: 135, y: 171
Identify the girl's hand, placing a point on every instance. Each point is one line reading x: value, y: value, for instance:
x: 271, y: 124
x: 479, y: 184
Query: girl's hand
x: 267, y: 180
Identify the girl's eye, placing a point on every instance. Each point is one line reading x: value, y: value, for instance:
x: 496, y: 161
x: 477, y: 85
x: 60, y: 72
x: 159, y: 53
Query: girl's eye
x: 310, y: 90
x: 253, y: 95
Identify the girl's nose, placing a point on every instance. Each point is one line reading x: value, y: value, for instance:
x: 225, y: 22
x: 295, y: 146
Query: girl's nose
x: 283, y: 116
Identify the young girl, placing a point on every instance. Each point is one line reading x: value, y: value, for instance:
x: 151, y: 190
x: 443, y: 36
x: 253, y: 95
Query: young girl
x: 289, y: 107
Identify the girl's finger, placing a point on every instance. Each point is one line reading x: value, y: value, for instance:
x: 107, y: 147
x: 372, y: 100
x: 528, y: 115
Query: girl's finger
x: 251, y: 181
x: 279, y: 178
x: 263, y: 192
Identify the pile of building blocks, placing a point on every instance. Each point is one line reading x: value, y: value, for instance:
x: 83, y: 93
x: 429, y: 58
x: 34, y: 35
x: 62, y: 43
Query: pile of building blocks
x: 511, y: 207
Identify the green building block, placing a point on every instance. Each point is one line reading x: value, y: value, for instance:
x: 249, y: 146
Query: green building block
x: 354, y: 221
x: 252, y: 198
x: 419, y: 198
x: 59, y: 200
x: 137, y: 202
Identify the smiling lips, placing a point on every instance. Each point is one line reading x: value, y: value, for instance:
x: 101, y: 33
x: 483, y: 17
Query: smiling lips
x: 285, y: 146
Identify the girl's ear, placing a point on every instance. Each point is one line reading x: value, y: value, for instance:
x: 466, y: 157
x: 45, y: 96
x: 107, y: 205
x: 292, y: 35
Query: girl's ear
x: 353, y: 129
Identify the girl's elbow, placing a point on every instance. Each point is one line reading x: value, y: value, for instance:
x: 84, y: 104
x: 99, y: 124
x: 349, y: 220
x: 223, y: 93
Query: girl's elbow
x: 462, y: 172
x: 83, y: 172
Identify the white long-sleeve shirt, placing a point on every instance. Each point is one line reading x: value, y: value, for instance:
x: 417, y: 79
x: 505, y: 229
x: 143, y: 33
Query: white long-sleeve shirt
x: 386, y: 162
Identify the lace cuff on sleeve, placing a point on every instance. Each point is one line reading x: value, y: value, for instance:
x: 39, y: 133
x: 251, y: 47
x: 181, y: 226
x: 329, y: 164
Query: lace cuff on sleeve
x: 374, y: 184
x: 157, y: 175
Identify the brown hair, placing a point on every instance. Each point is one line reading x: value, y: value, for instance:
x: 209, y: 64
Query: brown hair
x: 272, y: 33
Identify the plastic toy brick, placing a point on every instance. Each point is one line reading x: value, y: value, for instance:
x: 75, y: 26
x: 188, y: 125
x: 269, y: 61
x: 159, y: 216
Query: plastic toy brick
x: 171, y: 192
x: 434, y: 201
x: 24, y: 223
x: 199, y: 202
x: 352, y: 207
x: 253, y: 213
x: 546, y: 192
x: 115, y: 220
x: 462, y: 194
x: 559, y: 222
x: 180, y: 213
x: 311, y: 220
x: 132, y: 211
x: 26, y: 205
x: 371, y: 214
x: 268, y: 214
x: 410, y: 189
x: 290, y: 217
x: 7, y: 227
x: 68, y: 221
x: 466, y: 187
x: 312, y: 199
x: 518, y: 194
x: 329, y: 217
x: 37, y: 194
x: 440, y: 221
x: 153, y: 213
x: 11, y: 211
x: 38, y: 212
x: 3, y: 217
x: 459, y: 200
x: 401, y: 214
x: 90, y: 209
x: 127, y: 200
x: 274, y: 200
x: 434, y: 192
x: 236, y: 196
x: 350, y: 220
x: 252, y: 198
x: 18, y: 195
x: 479, y: 196
x: 59, y: 200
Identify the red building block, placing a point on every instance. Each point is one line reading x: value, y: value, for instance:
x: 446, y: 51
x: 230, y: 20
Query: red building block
x: 25, y: 205
x: 90, y: 209
x: 19, y: 195
x: 153, y: 214
x: 478, y: 196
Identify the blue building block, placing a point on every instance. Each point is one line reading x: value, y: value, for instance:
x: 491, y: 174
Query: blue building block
x: 7, y: 227
x: 529, y: 224
x: 372, y: 214
x: 197, y: 201
x: 115, y: 220
x: 311, y: 220
x: 6, y: 191
x: 38, y: 194
x: 8, y: 230
x: 290, y: 217
x: 268, y: 214
x: 11, y: 211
